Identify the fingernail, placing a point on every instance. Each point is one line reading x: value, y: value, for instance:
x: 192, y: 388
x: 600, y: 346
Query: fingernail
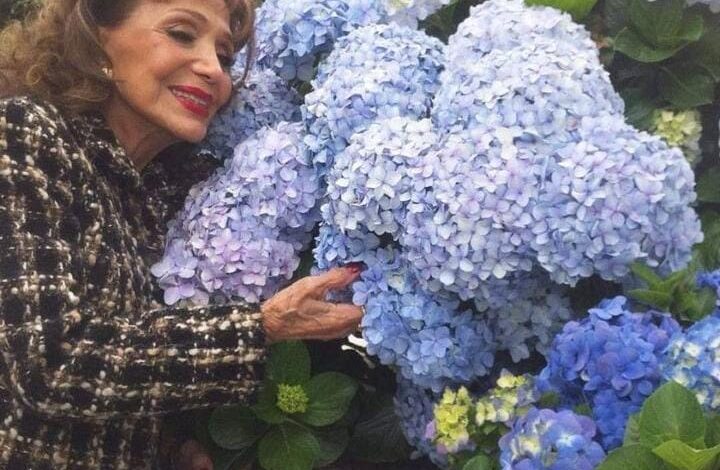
x: 354, y: 267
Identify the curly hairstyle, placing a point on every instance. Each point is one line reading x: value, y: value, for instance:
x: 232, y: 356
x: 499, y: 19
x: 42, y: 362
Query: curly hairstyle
x: 56, y: 55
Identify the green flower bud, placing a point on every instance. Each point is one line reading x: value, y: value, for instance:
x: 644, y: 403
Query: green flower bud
x: 292, y: 399
x: 680, y: 129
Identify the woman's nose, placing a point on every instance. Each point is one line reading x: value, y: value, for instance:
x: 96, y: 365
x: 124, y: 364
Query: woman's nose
x: 208, y: 65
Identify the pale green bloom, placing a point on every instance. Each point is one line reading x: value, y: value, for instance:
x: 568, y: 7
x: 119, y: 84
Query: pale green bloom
x: 292, y: 399
x: 680, y: 129
x: 511, y: 397
x: 452, y: 418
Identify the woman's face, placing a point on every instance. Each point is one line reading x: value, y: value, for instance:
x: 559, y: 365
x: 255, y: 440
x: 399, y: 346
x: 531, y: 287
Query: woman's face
x: 171, y: 62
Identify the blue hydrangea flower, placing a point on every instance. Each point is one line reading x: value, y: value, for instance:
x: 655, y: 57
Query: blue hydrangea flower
x: 414, y: 408
x: 545, y: 439
x: 613, y: 196
x: 371, y: 183
x: 711, y: 280
x: 263, y: 101
x: 292, y: 35
x: 610, y: 360
x: 693, y: 360
x: 400, y: 69
x: 428, y: 338
x: 241, y: 231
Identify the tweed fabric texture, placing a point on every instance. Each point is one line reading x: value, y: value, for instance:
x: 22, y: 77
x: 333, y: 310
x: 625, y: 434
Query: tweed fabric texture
x: 91, y: 361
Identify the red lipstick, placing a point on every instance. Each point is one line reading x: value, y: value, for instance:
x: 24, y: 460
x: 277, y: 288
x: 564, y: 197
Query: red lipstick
x: 193, y: 99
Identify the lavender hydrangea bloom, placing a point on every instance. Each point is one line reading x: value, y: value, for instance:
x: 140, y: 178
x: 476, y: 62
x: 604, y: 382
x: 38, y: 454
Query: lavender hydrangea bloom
x: 400, y: 69
x: 409, y: 12
x: 541, y: 89
x: 428, y: 338
x: 263, y: 101
x: 414, y: 407
x: 545, y: 439
x: 502, y: 25
x: 613, y: 196
x: 241, y: 231
x: 693, y: 360
x: 611, y: 358
x: 293, y: 34
x: 370, y: 183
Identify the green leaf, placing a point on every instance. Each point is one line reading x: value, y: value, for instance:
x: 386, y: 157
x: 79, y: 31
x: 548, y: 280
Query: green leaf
x: 645, y: 273
x: 634, y: 46
x: 579, y: 9
x: 266, y: 408
x: 658, y: 22
x: 289, y: 363
x: 632, y: 430
x: 640, y: 106
x: 708, y: 187
x: 712, y: 433
x: 686, y: 87
x: 330, y: 395
x: 288, y: 447
x: 659, y: 300
x: 378, y: 436
x: 615, y: 15
x: 691, y: 29
x: 235, y: 427
x: 232, y: 459
x: 672, y: 412
x: 706, y: 52
x: 479, y: 462
x: 634, y: 457
x: 333, y: 442
x: 683, y: 456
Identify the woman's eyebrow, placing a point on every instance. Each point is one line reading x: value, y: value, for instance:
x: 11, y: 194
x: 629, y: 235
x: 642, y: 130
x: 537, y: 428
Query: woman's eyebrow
x: 201, y: 18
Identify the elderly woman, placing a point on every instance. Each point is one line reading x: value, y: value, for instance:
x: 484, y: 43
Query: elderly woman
x: 93, y: 92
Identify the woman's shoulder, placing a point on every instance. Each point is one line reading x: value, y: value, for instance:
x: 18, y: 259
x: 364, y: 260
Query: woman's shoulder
x: 28, y: 110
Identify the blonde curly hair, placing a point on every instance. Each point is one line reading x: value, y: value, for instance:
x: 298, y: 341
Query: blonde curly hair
x: 56, y: 56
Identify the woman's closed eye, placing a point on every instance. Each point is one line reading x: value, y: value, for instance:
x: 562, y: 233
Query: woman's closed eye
x: 184, y: 37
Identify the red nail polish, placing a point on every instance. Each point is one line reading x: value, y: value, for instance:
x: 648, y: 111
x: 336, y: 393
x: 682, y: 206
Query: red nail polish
x: 354, y: 267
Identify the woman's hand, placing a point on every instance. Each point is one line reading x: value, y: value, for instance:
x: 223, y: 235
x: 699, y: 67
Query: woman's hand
x: 300, y: 311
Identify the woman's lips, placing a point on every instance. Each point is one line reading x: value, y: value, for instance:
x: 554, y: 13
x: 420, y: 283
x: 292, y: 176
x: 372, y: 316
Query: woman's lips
x: 193, y: 99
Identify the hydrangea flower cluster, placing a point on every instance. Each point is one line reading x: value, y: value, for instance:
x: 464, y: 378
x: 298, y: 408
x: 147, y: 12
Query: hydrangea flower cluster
x: 511, y: 398
x: 693, y: 360
x: 400, y: 69
x: 451, y: 421
x: 427, y: 337
x: 409, y: 12
x: 612, y: 359
x: 545, y: 439
x: 680, y: 129
x: 292, y: 35
x: 530, y: 121
x: 264, y: 100
x: 240, y: 233
x: 292, y: 398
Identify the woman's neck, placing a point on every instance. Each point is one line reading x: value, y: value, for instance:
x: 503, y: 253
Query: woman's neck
x: 141, y: 140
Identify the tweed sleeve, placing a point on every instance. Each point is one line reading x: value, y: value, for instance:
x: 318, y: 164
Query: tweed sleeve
x: 66, y: 355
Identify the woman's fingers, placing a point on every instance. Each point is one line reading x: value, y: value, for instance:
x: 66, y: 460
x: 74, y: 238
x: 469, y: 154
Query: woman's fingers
x: 334, y: 279
x: 330, y: 321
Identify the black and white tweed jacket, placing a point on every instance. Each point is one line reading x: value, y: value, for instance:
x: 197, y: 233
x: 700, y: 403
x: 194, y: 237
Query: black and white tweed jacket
x: 90, y: 361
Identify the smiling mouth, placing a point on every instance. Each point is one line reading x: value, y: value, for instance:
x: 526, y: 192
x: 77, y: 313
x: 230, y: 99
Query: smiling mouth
x: 191, y: 101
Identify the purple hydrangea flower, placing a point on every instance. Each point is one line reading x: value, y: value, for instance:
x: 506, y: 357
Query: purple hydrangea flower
x: 241, y: 232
